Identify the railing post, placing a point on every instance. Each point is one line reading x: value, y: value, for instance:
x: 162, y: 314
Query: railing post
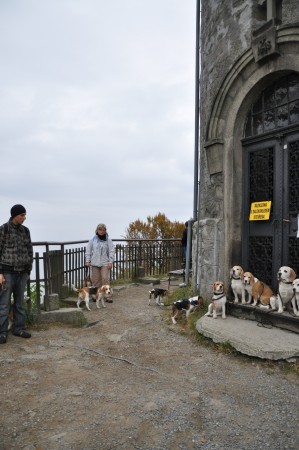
x: 37, y: 282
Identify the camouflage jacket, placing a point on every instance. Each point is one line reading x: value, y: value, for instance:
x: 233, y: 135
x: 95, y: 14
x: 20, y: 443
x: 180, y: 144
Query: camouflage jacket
x: 16, y: 252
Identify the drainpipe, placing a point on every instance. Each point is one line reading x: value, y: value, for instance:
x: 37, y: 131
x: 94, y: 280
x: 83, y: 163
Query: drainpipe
x: 196, y: 150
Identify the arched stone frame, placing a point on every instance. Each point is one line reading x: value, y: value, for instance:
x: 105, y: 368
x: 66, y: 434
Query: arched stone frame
x: 239, y: 90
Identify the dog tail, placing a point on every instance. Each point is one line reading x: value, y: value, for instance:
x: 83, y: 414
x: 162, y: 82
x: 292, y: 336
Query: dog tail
x: 74, y: 289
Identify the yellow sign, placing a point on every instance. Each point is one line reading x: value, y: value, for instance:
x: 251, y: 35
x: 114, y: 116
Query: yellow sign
x: 260, y: 210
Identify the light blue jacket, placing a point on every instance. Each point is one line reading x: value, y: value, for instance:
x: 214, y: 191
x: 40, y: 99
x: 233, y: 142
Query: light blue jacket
x: 100, y: 253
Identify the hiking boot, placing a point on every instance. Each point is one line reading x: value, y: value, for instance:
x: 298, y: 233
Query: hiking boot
x: 2, y: 339
x: 23, y: 334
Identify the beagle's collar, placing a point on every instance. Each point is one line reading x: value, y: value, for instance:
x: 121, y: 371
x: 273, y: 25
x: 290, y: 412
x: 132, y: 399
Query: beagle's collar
x: 285, y: 282
x: 223, y: 295
x: 239, y: 278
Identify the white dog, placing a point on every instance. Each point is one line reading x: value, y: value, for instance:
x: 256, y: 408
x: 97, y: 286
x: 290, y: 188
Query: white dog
x: 295, y: 298
x: 83, y: 296
x: 217, y: 305
x: 286, y: 275
x: 248, y: 281
x: 103, y: 293
x: 236, y: 275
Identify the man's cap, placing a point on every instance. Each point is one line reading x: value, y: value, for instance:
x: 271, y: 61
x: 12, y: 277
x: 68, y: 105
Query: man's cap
x: 16, y: 210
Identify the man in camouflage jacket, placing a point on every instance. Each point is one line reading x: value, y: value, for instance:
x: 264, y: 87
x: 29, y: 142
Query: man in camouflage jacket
x: 16, y: 256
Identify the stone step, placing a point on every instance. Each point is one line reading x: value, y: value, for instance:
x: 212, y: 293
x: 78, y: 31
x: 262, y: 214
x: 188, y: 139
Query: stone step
x: 266, y: 317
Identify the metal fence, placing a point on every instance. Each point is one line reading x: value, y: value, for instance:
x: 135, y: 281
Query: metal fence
x: 58, y: 266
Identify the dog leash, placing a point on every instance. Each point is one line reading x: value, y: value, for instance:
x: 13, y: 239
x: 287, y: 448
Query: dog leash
x: 87, y: 271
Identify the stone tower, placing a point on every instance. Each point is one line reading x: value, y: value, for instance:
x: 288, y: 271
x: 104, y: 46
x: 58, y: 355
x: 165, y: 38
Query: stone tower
x: 249, y: 140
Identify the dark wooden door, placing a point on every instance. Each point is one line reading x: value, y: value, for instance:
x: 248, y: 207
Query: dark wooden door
x: 271, y: 173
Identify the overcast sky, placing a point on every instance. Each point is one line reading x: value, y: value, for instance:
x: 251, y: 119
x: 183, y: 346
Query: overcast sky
x: 96, y: 113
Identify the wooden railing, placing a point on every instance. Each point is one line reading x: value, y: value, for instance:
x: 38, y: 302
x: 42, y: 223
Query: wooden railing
x: 58, y: 266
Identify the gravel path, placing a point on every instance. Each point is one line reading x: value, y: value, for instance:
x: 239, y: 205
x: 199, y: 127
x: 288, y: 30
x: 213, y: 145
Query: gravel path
x: 134, y: 381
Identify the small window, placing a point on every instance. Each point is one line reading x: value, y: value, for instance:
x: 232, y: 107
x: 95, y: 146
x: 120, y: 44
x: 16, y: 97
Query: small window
x: 277, y: 107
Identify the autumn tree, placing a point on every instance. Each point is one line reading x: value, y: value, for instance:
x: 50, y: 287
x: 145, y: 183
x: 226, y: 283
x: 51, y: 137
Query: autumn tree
x: 155, y: 227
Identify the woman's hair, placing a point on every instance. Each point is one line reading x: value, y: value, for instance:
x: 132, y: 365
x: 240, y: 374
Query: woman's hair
x: 101, y: 225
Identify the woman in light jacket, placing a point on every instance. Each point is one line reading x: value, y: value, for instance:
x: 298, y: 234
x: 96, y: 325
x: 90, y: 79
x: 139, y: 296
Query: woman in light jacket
x: 99, y: 255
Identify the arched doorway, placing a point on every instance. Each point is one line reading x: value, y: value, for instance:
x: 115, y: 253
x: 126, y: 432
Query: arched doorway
x: 271, y: 173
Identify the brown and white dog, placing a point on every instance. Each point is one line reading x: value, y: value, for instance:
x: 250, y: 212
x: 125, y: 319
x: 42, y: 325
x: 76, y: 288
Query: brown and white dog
x: 262, y: 293
x: 104, y: 293
x: 218, y: 303
x: 189, y: 305
x: 83, y: 296
x: 295, y: 298
x: 236, y: 275
x: 158, y: 293
x: 248, y: 280
x: 286, y: 275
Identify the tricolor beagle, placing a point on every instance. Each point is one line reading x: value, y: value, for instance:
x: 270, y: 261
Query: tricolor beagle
x: 187, y: 305
x: 158, y: 293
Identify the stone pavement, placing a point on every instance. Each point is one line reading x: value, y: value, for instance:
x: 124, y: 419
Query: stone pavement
x: 248, y: 337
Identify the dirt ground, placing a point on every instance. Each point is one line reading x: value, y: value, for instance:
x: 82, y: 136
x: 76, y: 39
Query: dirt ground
x: 132, y: 380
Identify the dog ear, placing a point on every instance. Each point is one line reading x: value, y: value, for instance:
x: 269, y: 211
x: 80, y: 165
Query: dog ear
x: 231, y: 272
x: 213, y: 286
x: 292, y: 275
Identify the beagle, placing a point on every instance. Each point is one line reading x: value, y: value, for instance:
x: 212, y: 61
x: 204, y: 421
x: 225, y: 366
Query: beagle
x: 236, y: 275
x: 248, y: 281
x: 218, y: 303
x: 262, y: 293
x: 83, y: 296
x: 158, y: 293
x: 104, y: 293
x: 187, y: 305
x: 286, y: 275
x: 295, y: 298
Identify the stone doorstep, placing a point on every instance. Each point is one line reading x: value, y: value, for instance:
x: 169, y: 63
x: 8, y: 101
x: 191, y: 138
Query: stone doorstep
x: 285, y: 320
x: 247, y: 337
